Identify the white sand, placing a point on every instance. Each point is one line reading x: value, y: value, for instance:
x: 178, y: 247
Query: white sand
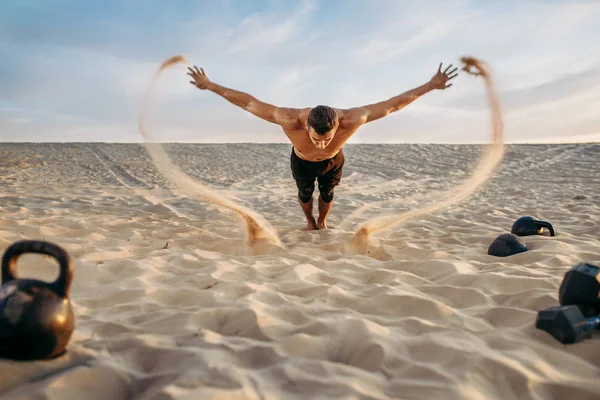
x: 426, y: 314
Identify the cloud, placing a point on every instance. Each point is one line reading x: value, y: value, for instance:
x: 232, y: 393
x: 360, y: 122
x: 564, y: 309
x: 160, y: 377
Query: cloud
x: 263, y: 31
x: 419, y: 26
x: 518, y: 99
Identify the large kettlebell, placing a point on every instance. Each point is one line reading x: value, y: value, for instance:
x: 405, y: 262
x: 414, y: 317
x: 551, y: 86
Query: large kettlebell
x: 36, y: 318
x: 526, y: 226
x: 581, y: 287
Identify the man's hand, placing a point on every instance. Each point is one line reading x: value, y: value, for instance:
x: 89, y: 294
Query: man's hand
x: 200, y: 79
x: 440, y: 79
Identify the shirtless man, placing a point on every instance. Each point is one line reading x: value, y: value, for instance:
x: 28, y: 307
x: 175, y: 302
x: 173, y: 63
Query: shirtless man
x: 318, y: 134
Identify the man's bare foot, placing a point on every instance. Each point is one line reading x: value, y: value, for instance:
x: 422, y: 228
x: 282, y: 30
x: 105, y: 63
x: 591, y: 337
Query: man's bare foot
x: 311, y: 225
x: 321, y: 224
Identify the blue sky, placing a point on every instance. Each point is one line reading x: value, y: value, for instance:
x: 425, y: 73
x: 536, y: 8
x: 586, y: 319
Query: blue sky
x: 76, y: 70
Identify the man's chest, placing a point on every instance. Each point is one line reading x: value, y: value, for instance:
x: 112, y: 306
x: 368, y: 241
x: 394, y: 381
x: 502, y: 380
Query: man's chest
x: 305, y: 148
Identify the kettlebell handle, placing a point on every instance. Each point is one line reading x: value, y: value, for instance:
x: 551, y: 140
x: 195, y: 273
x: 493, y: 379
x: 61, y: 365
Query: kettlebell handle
x: 9, y: 262
x: 547, y: 225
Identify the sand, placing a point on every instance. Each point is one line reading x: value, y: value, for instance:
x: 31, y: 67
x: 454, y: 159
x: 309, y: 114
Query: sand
x: 171, y: 303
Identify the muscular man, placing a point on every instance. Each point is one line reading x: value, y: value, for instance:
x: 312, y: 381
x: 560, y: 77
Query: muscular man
x: 318, y: 134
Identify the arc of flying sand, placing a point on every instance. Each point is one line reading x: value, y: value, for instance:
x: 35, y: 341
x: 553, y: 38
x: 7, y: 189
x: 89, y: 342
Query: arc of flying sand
x: 256, y: 227
x: 483, y: 171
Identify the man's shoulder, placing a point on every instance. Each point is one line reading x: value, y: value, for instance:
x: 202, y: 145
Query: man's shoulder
x: 353, y: 116
x: 288, y: 116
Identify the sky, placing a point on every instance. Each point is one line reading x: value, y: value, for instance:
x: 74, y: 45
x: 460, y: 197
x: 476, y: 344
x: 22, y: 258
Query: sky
x: 76, y: 71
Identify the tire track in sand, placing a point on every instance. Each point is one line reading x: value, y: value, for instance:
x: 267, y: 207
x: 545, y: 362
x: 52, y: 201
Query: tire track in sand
x: 120, y: 174
x: 128, y: 180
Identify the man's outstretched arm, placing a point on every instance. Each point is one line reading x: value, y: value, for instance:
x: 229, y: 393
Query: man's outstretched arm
x: 375, y: 111
x: 268, y: 112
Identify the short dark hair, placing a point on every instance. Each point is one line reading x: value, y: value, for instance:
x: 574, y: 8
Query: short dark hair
x: 322, y: 119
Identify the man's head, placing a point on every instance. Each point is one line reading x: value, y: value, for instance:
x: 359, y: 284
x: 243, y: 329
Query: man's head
x: 322, y: 123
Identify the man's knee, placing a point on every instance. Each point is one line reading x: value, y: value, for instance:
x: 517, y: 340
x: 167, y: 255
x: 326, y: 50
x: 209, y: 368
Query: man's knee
x: 326, y: 193
x: 305, y: 194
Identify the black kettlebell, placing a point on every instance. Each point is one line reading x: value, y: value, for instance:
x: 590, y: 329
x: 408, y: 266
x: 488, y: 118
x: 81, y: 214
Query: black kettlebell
x: 36, y: 318
x: 581, y: 287
x: 526, y: 226
x: 506, y: 245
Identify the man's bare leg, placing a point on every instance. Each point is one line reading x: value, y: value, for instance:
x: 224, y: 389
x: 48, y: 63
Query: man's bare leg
x: 311, y: 224
x: 323, y: 211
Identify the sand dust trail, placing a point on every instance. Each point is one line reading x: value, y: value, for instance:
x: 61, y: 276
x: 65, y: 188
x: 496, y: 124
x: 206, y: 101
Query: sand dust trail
x: 483, y: 171
x: 258, y: 230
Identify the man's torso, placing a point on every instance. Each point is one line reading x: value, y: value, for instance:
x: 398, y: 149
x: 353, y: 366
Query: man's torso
x: 304, y: 147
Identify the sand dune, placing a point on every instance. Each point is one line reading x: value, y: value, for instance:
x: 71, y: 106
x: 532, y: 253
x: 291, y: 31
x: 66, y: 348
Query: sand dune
x: 171, y: 303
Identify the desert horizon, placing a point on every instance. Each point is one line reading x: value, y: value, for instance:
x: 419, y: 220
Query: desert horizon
x: 141, y: 142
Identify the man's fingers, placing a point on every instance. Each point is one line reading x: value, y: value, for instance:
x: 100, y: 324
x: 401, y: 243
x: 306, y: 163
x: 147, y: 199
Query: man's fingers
x: 448, y: 85
x: 452, y: 76
x: 193, y: 83
x: 191, y: 70
x: 453, y: 71
x: 197, y: 70
x: 447, y: 68
x: 190, y: 74
x: 202, y: 69
x: 440, y: 68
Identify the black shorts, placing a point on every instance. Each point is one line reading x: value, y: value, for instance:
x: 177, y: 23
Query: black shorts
x: 327, y: 172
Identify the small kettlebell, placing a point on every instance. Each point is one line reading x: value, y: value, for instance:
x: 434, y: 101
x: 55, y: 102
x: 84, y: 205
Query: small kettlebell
x: 506, y: 245
x: 36, y: 318
x: 526, y: 226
